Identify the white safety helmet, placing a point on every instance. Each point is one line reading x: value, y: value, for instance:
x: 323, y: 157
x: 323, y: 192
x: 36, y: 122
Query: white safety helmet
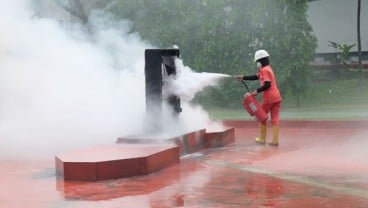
x: 260, y: 54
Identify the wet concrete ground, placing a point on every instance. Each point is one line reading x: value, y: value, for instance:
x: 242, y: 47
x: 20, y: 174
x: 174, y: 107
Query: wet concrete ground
x: 314, y: 166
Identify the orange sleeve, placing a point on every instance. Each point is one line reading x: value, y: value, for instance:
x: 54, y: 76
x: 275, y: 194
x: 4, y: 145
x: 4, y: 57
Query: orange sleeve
x: 266, y: 75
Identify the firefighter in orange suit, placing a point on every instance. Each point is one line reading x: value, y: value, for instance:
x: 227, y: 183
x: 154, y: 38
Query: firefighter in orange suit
x: 271, y: 99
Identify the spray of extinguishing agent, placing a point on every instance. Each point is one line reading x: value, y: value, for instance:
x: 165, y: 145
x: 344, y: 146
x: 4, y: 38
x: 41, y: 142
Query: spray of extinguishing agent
x: 271, y: 98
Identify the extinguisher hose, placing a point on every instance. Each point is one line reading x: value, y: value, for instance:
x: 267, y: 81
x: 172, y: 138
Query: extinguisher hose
x: 245, y: 85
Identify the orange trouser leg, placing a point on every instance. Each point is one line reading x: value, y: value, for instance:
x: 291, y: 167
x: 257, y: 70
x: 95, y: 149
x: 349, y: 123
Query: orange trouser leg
x: 274, y: 110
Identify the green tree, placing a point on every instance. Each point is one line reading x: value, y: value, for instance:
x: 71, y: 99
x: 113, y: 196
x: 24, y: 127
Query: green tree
x: 281, y: 27
x: 212, y: 35
x: 222, y: 36
x: 359, y: 41
x: 342, y: 55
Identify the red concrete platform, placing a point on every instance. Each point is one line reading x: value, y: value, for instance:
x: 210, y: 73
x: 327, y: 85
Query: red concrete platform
x: 187, y: 143
x: 136, y: 155
x: 190, y: 142
x: 318, y: 164
x: 115, y: 161
x: 219, y: 138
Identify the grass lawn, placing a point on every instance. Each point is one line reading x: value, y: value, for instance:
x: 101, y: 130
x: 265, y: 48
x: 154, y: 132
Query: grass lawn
x: 321, y: 112
x: 327, y: 100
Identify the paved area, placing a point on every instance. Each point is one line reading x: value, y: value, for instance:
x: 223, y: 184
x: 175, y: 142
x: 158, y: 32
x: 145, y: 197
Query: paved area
x: 315, y: 166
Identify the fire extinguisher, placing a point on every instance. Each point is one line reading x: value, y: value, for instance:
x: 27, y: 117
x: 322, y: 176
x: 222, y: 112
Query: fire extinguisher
x: 252, y: 106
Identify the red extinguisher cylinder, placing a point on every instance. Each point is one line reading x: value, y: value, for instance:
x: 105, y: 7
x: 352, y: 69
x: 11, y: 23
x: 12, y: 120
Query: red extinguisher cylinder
x: 252, y: 106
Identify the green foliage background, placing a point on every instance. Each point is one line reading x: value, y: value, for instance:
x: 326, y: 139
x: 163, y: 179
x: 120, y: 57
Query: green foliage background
x: 222, y: 35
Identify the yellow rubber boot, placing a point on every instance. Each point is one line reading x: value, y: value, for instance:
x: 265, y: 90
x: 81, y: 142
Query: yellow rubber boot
x: 275, y: 136
x: 262, y: 134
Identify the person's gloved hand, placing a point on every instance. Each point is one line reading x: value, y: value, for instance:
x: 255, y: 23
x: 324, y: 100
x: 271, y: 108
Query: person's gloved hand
x: 239, y: 77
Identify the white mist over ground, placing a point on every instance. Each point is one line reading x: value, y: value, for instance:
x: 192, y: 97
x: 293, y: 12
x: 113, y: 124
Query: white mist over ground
x: 60, y: 90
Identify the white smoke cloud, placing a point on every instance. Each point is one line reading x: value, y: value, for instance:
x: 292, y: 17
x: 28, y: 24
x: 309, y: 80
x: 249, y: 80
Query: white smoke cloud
x: 60, y: 90
x: 187, y: 82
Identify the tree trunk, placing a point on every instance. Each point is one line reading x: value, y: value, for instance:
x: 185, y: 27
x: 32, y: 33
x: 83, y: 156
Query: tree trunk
x: 359, y: 42
x: 76, y: 9
x: 298, y: 100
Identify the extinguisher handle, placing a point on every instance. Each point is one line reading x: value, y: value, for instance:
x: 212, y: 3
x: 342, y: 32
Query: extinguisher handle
x: 245, y: 85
